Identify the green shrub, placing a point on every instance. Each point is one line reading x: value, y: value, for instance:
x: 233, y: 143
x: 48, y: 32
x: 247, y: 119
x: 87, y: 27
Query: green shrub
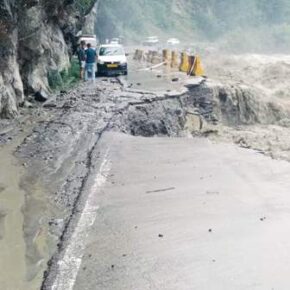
x: 54, y: 79
x: 64, y: 79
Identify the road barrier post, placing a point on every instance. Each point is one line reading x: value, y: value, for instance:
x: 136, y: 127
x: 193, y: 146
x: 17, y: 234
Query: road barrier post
x: 135, y: 57
x: 156, y: 58
x: 195, y: 67
x: 184, y: 64
x: 174, y: 59
x: 199, y: 71
x: 166, y: 56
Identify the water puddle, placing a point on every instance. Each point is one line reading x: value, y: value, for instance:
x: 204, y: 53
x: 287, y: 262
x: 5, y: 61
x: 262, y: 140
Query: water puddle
x: 23, y: 234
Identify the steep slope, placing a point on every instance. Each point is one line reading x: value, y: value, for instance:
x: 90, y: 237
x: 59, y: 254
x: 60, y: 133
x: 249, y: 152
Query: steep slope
x: 36, y: 37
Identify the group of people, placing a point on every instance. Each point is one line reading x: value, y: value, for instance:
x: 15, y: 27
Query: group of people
x: 87, y: 60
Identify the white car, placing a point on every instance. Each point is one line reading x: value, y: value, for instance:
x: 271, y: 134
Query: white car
x: 92, y: 39
x: 173, y: 41
x: 151, y: 41
x: 115, y: 41
x: 112, y: 59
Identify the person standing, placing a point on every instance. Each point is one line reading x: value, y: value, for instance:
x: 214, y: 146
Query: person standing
x: 82, y: 58
x: 90, y: 70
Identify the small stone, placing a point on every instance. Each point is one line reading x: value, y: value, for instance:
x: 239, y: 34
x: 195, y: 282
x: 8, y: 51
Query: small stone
x: 210, y: 230
x: 175, y: 79
x: 112, y: 266
x: 27, y: 104
x: 41, y: 96
x: 160, y: 236
x: 49, y: 105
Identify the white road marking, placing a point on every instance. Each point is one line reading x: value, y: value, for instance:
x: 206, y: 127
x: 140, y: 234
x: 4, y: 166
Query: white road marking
x: 69, y: 266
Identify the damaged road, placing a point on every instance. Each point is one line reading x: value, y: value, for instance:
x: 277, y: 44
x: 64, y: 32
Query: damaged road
x: 98, y: 194
x: 221, y: 226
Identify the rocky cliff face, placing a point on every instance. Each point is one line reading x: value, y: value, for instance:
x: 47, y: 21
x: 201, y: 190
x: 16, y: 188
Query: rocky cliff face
x: 36, y: 36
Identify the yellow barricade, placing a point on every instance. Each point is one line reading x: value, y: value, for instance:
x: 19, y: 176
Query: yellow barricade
x: 174, y: 59
x: 199, y: 71
x: 195, y: 66
x: 166, y: 56
x: 184, y: 64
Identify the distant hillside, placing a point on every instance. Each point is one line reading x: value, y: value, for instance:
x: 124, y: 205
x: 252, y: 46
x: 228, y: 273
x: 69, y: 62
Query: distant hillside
x: 243, y: 24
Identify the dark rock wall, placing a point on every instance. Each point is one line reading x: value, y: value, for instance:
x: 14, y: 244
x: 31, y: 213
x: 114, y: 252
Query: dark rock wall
x: 36, y: 36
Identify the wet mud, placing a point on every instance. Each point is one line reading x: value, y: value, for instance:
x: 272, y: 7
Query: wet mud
x: 23, y: 252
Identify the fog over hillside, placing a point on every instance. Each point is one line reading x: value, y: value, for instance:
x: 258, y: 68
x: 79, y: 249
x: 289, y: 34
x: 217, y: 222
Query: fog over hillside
x: 246, y: 25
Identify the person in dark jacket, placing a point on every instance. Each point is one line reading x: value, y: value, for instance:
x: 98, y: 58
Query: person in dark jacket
x: 90, y: 70
x: 82, y: 58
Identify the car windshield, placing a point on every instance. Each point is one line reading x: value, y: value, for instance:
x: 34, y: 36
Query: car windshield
x: 111, y: 51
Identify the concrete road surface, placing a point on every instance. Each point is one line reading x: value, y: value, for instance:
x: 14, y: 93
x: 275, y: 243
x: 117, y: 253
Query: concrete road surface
x: 184, y: 214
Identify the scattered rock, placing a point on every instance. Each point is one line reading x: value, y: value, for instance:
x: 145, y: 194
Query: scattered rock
x: 160, y: 236
x: 28, y: 105
x: 175, y: 79
x: 41, y: 96
x: 51, y: 103
x: 210, y: 230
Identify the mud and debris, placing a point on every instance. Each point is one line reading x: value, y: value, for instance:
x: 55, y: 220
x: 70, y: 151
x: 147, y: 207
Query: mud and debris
x: 51, y: 148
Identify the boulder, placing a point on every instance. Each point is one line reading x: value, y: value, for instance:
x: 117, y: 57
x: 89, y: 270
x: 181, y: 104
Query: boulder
x: 41, y: 96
